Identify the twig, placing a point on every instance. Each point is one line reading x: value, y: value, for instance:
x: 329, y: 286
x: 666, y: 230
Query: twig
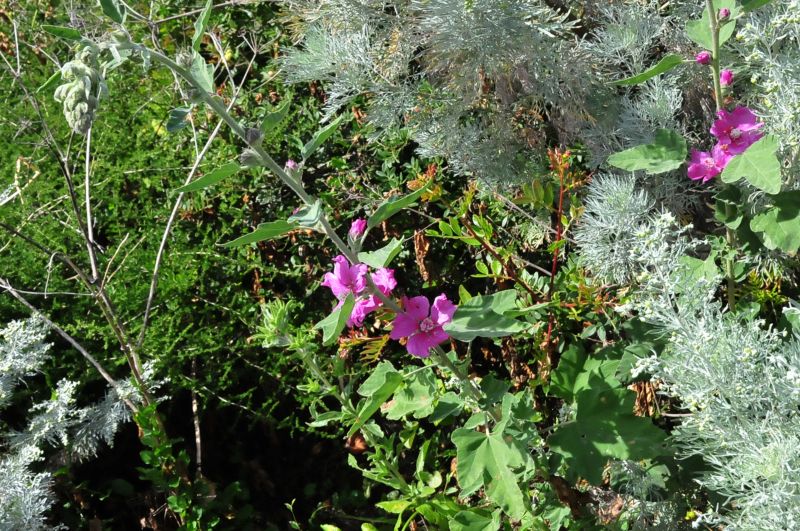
x: 507, y: 264
x: 88, y: 200
x: 165, y: 236
x: 198, y: 442
x: 85, y: 353
x: 196, y: 11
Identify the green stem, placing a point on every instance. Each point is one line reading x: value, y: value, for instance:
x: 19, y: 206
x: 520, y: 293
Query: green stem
x: 730, y: 237
x: 295, y: 185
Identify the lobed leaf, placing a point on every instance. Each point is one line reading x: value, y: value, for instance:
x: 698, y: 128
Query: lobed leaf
x: 759, y: 165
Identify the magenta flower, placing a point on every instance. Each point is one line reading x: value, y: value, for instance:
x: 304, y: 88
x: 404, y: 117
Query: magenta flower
x: 705, y: 166
x: 358, y: 227
x: 726, y: 78
x: 384, y: 280
x: 724, y: 13
x: 703, y: 58
x: 346, y: 278
x: 422, y: 323
x: 736, y: 130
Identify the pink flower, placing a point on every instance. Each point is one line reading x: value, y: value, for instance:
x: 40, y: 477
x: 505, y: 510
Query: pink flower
x: 423, y: 329
x: 726, y: 78
x: 736, y: 130
x: 705, y: 166
x: 724, y: 13
x: 291, y: 165
x: 703, y: 58
x: 358, y: 227
x: 384, y: 280
x: 346, y: 278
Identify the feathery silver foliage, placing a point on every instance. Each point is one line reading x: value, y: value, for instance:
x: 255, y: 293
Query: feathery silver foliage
x: 606, y: 233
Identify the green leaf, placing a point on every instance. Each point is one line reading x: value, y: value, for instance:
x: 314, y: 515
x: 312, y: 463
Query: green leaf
x: 202, y: 72
x: 376, y: 390
x: 699, y: 269
x: 273, y: 118
x: 668, y: 152
x: 700, y: 30
x: 211, y: 178
x: 177, y: 119
x: 474, y: 521
x: 112, y: 10
x: 383, y: 256
x: 576, y: 369
x: 333, y: 325
x: 200, y: 26
x: 750, y: 5
x: 780, y: 223
x: 668, y: 62
x: 51, y: 82
x: 319, y: 138
x: 605, y: 428
x: 487, y: 461
x: 415, y: 397
x: 482, y: 316
x: 759, y: 164
x: 65, y: 33
x: 727, y: 207
x: 265, y: 231
x: 393, y: 205
x: 394, y: 506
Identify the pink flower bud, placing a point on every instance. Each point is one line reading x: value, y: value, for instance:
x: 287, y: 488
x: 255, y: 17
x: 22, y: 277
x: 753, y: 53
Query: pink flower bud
x: 724, y: 13
x: 703, y: 58
x: 726, y: 78
x: 291, y: 165
x: 358, y: 227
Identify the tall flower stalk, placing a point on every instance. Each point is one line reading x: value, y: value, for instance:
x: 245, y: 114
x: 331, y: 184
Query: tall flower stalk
x: 730, y: 237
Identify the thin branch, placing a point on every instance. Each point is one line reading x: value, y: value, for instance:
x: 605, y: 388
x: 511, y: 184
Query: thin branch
x: 72, y: 341
x: 199, y: 10
x: 165, y: 236
x: 88, y: 205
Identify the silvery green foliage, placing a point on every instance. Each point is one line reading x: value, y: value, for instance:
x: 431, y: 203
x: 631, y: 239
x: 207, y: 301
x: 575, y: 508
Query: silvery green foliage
x: 22, y: 352
x: 25, y: 496
x: 614, y: 211
x: 738, y: 379
x: 82, y: 89
x: 629, y: 38
x: 768, y: 48
x: 54, y: 423
x: 461, y: 76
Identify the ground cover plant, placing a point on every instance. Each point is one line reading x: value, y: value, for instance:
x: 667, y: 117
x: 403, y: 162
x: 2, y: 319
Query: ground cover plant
x: 408, y: 264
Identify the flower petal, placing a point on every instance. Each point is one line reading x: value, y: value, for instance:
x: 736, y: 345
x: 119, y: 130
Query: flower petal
x: 403, y: 326
x: 384, y: 280
x: 417, y: 307
x: 442, y: 310
x: 420, y: 345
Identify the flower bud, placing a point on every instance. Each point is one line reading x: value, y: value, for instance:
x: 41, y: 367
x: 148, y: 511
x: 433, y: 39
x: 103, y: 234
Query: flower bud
x: 291, y: 165
x: 253, y: 136
x: 357, y: 228
x: 724, y: 13
x: 703, y: 58
x: 726, y: 78
x: 249, y: 158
